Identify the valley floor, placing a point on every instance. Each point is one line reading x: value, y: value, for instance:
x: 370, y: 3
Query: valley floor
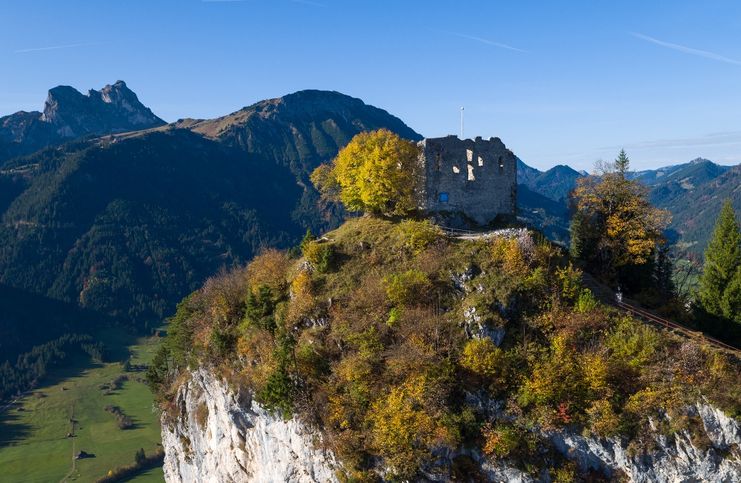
x: 34, y: 442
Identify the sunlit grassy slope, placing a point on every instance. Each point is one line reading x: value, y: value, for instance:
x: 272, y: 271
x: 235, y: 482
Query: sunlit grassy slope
x: 33, y: 435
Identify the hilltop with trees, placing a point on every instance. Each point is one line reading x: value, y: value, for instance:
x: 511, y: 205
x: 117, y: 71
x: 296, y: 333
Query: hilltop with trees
x: 396, y: 340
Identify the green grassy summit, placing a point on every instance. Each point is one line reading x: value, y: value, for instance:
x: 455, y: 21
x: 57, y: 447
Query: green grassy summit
x: 401, y: 343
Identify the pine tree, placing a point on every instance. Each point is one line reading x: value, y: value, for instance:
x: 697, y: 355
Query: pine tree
x: 731, y: 302
x: 722, y: 264
x: 622, y: 163
x: 308, y: 238
x: 662, y: 273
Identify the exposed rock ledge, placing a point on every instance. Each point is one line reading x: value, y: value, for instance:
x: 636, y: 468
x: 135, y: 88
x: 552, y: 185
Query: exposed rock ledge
x: 676, y: 459
x: 223, y: 436
x: 220, y: 436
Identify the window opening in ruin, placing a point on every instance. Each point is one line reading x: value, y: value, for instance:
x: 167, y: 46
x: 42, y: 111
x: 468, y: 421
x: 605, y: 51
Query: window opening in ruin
x: 456, y: 169
x: 469, y: 155
x: 471, y: 177
x: 501, y: 165
x: 481, y: 161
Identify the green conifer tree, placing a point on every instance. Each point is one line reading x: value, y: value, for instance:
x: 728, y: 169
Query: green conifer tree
x: 730, y: 304
x: 622, y: 163
x: 720, y: 291
x: 308, y: 238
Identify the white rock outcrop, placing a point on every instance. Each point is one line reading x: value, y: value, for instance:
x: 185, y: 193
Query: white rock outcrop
x: 221, y: 436
x: 676, y: 459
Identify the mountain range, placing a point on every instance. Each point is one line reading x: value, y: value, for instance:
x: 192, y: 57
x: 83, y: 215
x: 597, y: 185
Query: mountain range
x: 125, y: 224
x: 692, y: 192
x: 107, y: 207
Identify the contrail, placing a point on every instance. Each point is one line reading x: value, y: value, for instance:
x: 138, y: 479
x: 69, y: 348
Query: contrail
x: 55, y: 47
x: 686, y: 50
x: 488, y: 42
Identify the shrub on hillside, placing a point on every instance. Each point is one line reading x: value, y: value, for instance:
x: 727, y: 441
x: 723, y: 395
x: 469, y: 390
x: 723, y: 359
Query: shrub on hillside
x: 320, y: 255
x: 485, y: 360
x: 407, y: 288
x: 418, y: 235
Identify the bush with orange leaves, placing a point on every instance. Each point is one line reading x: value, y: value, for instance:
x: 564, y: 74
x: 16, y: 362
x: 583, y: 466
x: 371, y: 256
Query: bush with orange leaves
x: 302, y: 298
x: 269, y: 269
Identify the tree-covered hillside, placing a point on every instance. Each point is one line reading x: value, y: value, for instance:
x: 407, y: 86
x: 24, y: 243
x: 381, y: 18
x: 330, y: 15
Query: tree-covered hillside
x: 128, y: 224
x: 417, y: 353
x: 126, y: 228
x: 301, y: 131
x: 27, y: 320
x: 695, y: 201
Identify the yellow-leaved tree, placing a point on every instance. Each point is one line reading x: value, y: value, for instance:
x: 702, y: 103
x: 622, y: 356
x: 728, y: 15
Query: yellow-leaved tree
x: 615, y: 230
x: 377, y: 172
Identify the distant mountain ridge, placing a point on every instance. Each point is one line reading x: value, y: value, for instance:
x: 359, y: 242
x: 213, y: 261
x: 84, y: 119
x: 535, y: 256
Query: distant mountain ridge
x: 692, y: 192
x: 542, y: 198
x: 69, y: 114
x: 128, y: 224
x: 313, y: 122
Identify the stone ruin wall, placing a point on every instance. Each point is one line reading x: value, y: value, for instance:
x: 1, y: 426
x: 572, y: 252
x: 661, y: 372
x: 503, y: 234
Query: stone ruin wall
x: 475, y: 177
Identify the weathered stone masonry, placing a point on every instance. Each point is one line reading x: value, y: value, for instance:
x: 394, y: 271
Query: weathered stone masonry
x: 475, y: 177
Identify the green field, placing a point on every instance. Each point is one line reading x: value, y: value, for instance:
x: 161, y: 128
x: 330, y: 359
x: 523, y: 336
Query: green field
x: 34, y: 446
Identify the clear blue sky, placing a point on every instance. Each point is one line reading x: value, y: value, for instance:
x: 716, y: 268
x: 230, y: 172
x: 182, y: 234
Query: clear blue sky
x: 559, y: 82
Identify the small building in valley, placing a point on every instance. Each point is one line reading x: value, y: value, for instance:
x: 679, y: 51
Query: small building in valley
x: 473, y: 177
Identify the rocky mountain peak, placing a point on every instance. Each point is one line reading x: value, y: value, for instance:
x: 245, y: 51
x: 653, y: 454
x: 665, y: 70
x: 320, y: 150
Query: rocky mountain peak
x: 114, y: 108
x: 69, y: 114
x: 116, y: 93
x: 58, y: 100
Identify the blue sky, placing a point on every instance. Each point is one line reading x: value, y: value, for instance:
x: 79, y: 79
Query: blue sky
x: 559, y: 82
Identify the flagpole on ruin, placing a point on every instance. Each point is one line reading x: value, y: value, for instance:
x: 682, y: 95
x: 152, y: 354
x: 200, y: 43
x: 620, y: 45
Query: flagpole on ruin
x: 462, y: 109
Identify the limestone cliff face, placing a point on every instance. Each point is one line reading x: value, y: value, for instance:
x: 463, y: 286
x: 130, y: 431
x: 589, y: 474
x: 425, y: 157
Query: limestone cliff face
x: 219, y: 435
x: 223, y: 436
x: 675, y: 459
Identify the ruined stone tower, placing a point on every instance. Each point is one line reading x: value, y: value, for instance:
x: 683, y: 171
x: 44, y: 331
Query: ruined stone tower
x: 477, y: 178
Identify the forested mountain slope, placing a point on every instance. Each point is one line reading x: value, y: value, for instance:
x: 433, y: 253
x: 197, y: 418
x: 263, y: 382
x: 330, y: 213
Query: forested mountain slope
x: 127, y: 228
x: 127, y: 224
x: 301, y: 131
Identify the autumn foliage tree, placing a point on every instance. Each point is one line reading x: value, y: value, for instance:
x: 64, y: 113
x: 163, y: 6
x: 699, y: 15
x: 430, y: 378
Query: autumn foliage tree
x: 615, y: 230
x: 377, y: 172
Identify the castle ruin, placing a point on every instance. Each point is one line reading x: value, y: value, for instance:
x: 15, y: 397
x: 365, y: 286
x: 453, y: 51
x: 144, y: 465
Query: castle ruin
x: 477, y: 178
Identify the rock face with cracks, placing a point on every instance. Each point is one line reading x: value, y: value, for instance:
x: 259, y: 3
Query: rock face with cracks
x: 223, y: 436
x: 219, y: 435
x: 675, y: 459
